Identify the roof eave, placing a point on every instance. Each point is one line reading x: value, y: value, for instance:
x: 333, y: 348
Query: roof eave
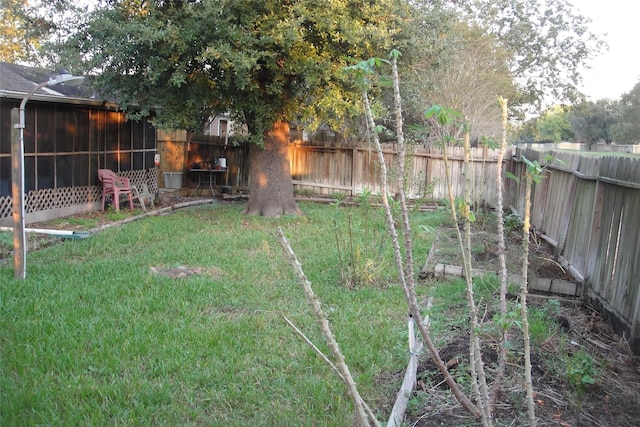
x: 57, y: 99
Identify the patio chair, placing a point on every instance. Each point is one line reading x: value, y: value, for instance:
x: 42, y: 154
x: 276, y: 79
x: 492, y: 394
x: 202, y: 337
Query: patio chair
x: 141, y: 192
x: 115, y: 186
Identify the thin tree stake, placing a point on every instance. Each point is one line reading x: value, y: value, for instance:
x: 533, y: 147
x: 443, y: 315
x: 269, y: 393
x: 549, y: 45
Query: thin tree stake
x: 319, y: 352
x: 313, y: 347
x: 321, y: 318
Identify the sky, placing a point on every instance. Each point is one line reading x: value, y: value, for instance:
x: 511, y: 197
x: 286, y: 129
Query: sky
x: 617, y: 70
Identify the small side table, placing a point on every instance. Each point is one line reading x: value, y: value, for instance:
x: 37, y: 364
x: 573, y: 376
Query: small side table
x: 206, y: 177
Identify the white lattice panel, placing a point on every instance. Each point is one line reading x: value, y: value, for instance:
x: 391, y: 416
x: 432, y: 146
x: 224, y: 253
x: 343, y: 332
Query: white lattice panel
x: 6, y: 203
x: 54, y: 198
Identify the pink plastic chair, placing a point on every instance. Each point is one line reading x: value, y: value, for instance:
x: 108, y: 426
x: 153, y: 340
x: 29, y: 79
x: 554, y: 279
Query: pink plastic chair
x: 115, y: 186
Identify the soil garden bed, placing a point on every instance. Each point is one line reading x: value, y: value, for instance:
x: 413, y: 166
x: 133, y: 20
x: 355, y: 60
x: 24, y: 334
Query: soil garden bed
x: 582, y: 335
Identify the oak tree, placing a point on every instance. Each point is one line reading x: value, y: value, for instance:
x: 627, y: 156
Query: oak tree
x: 266, y: 62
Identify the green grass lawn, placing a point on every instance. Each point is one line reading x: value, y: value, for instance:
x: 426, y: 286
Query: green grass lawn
x: 94, y: 337
x: 106, y: 331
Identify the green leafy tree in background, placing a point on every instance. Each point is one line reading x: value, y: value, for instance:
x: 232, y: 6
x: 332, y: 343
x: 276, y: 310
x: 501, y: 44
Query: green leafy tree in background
x: 266, y: 62
x: 471, y: 73
x: 594, y: 121
x: 627, y: 129
x: 548, y: 40
x: 28, y: 27
x: 12, y: 32
x: 553, y: 125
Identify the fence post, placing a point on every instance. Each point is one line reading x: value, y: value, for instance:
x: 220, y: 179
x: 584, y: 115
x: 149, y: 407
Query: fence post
x: 354, y: 152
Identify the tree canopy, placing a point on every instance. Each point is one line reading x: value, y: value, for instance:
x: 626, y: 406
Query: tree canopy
x: 627, y: 128
x: 554, y: 126
x: 28, y: 28
x: 594, y: 121
x: 548, y: 40
x: 265, y: 60
x: 12, y: 31
x: 470, y: 76
x: 261, y: 60
x: 605, y: 120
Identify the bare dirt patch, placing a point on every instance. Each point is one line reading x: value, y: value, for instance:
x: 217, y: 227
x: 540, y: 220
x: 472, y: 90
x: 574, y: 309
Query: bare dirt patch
x: 182, y: 272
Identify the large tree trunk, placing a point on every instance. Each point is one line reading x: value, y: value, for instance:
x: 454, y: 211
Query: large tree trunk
x: 271, y: 189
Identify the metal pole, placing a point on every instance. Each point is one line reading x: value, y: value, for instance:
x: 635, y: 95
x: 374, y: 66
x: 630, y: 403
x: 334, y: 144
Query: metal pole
x: 17, y: 193
x: 17, y: 187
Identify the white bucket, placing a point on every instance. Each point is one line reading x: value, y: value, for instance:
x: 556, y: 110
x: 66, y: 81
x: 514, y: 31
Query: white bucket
x: 222, y: 162
x: 173, y: 180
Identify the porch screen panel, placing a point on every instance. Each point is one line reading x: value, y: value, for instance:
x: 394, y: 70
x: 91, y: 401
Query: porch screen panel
x: 138, y: 160
x: 138, y: 129
x: 124, y: 158
x: 5, y: 124
x: 95, y: 163
x: 45, y: 172
x: 97, y: 123
x: 36, y: 122
x: 5, y: 176
x: 66, y: 129
x: 111, y: 131
x: 149, y: 136
x: 148, y: 159
x: 125, y: 135
x: 29, y: 174
x: 80, y: 170
x: 82, y: 141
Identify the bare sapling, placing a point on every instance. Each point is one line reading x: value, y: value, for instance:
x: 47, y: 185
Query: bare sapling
x: 523, y: 303
x: 475, y: 350
x: 363, y: 413
x: 534, y: 173
x: 448, y: 122
x: 364, y: 69
x: 404, y: 210
x: 502, y: 258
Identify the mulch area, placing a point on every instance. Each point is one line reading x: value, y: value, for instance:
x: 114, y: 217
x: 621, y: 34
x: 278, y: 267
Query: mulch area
x: 614, y: 399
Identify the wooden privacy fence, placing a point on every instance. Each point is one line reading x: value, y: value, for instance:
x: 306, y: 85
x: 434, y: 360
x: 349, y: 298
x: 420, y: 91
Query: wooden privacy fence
x: 354, y: 170
x: 587, y: 208
x: 208, y: 149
